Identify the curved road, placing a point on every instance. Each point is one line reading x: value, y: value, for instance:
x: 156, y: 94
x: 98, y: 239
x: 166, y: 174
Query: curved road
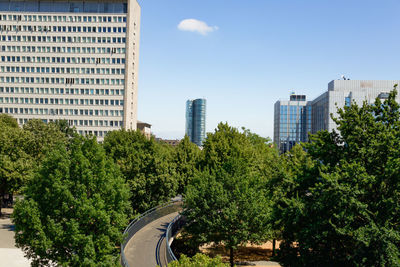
x: 148, y: 244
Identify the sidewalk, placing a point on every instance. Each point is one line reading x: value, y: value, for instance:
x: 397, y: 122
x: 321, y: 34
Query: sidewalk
x: 10, y: 255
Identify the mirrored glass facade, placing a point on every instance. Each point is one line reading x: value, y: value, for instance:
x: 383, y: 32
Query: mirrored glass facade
x: 292, y: 122
x: 196, y: 120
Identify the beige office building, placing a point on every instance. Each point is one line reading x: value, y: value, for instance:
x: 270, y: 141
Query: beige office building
x: 72, y: 60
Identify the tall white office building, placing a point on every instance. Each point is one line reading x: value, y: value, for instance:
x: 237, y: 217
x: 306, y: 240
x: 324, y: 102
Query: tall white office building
x: 72, y: 60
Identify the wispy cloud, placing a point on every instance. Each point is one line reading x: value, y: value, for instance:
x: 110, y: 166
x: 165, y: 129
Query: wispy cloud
x: 194, y: 25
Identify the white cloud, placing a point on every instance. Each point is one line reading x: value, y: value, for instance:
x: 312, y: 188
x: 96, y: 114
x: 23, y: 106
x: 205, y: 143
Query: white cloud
x: 194, y: 25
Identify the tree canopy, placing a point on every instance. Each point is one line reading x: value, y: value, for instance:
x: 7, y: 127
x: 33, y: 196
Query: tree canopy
x: 198, y: 260
x: 146, y: 165
x: 16, y: 162
x: 74, y: 209
x: 228, y: 201
x: 187, y: 157
x: 341, y: 206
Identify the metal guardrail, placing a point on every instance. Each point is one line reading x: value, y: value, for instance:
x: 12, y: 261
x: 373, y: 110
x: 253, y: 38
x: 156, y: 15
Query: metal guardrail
x: 145, y: 218
x: 174, y: 226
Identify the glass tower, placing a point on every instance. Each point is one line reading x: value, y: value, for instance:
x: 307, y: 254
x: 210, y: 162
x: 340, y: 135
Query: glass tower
x: 196, y: 120
x: 70, y: 60
x: 292, y: 122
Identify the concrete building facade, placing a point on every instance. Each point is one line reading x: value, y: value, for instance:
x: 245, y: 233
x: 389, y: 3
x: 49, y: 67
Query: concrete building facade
x: 343, y: 92
x: 196, y: 120
x: 76, y: 61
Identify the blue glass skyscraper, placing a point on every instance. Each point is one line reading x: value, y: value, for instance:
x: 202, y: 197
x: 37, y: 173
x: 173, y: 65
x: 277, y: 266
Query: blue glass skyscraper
x: 196, y: 120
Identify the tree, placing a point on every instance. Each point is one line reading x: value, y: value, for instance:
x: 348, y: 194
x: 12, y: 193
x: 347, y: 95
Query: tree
x: 146, y: 165
x: 343, y: 209
x: 187, y: 158
x: 229, y: 202
x: 7, y: 120
x: 63, y: 126
x: 227, y: 205
x: 16, y: 164
x: 44, y: 136
x: 74, y: 209
x: 228, y: 143
x: 199, y: 260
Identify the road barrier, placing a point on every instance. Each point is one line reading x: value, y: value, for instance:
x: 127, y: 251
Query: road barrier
x: 145, y: 218
x: 177, y: 223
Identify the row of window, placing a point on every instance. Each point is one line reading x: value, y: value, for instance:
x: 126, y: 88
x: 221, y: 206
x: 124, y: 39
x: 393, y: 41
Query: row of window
x: 61, y: 101
x: 48, y: 18
x: 67, y: 91
x: 63, y: 39
x: 66, y: 60
x: 43, y: 80
x: 74, y: 123
x: 94, y: 123
x: 13, y: 69
x: 70, y: 112
x: 63, y: 49
x: 46, y: 28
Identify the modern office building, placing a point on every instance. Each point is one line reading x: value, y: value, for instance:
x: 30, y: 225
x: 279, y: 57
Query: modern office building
x: 343, y: 92
x: 196, y: 120
x: 292, y: 121
x: 72, y: 60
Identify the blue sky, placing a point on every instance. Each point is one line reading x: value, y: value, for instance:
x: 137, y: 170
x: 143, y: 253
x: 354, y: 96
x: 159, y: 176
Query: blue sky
x: 256, y: 52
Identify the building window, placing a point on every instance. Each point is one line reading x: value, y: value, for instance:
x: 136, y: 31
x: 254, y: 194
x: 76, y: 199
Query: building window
x: 347, y: 101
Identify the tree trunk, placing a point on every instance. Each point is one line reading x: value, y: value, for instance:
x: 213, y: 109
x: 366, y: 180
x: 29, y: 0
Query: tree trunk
x: 231, y: 256
x: 273, y: 247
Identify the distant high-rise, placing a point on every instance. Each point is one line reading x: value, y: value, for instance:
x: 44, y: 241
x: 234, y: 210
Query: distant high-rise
x: 292, y: 122
x: 196, y: 120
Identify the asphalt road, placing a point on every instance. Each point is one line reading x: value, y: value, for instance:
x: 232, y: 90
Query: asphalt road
x: 148, y: 242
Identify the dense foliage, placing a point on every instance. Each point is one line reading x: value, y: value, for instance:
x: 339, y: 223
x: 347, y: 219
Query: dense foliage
x: 340, y: 202
x: 227, y: 202
x: 199, y: 260
x: 146, y: 165
x: 187, y: 157
x: 334, y: 201
x: 15, y: 160
x: 74, y: 209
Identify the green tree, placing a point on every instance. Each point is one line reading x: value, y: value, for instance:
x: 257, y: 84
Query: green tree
x: 7, y: 120
x: 74, y: 209
x: 227, y: 205
x: 147, y: 166
x: 63, y: 126
x: 44, y: 137
x: 343, y: 209
x: 187, y: 157
x: 199, y: 260
x: 15, y: 161
x: 228, y: 143
x: 229, y: 201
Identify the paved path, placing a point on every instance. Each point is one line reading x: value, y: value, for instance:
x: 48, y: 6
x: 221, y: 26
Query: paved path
x: 10, y: 256
x: 141, y: 250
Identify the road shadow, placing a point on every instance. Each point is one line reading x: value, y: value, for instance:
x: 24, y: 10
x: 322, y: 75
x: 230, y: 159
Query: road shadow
x: 163, y: 228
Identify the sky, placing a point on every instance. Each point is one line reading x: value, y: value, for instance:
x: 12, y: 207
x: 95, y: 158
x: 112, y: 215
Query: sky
x: 243, y: 56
